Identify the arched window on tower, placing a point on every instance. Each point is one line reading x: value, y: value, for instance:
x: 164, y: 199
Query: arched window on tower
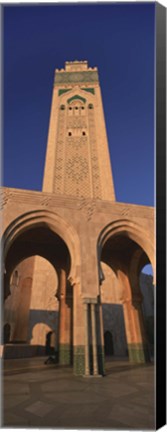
x: 70, y: 110
x: 82, y: 110
x: 76, y: 110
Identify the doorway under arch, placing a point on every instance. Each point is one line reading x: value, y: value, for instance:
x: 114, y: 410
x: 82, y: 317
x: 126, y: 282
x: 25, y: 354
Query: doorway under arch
x: 108, y: 343
x: 6, y: 333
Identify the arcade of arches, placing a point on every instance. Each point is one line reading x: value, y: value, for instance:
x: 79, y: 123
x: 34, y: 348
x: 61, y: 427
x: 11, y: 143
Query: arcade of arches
x: 51, y: 308
x: 73, y: 255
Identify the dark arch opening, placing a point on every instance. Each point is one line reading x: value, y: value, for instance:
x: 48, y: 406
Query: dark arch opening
x: 6, y: 333
x: 108, y: 344
x: 120, y: 249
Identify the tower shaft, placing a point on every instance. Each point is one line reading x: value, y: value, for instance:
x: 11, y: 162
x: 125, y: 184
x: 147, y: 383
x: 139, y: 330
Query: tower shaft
x: 77, y: 157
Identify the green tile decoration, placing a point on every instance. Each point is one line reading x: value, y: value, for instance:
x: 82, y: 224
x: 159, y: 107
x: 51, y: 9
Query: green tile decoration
x: 76, y: 97
x: 79, y: 360
x: 90, y: 90
x: 138, y: 353
x: 65, y: 354
x: 61, y: 91
x: 73, y: 77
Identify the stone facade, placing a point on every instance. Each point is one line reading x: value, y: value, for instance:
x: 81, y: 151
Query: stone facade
x: 73, y: 237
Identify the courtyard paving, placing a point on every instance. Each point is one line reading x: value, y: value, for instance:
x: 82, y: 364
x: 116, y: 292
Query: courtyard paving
x: 47, y: 396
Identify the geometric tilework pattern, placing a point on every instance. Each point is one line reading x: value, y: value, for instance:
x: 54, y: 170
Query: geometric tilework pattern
x: 94, y: 156
x: 76, y: 164
x: 59, y: 163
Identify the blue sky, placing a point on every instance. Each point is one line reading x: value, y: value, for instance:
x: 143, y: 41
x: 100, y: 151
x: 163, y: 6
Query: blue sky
x: 119, y: 39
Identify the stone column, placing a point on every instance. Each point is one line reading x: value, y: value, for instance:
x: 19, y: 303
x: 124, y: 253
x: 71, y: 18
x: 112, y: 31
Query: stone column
x: 100, y: 339
x: 69, y: 323
x: 78, y: 331
x: 62, y: 294
x: 87, y: 360
x: 93, y: 360
x: 62, y: 317
x: 143, y: 348
x: 94, y: 340
x: 135, y: 333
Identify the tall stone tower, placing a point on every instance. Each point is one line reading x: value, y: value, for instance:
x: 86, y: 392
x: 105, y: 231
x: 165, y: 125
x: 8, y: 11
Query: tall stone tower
x: 77, y: 158
x: 84, y: 250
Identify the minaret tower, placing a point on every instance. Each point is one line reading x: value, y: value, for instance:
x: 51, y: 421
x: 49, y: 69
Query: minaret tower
x: 84, y: 249
x: 77, y: 157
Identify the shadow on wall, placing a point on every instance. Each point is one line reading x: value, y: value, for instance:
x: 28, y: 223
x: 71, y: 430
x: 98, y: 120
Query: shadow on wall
x: 41, y: 324
x: 114, y: 330
x: 43, y: 336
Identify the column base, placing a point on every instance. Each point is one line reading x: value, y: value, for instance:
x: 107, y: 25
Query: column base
x: 65, y: 354
x: 92, y: 376
x: 138, y: 353
x: 79, y: 360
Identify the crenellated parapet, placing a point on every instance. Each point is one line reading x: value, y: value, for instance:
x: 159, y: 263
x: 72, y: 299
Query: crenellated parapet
x: 76, y: 65
x: 76, y: 72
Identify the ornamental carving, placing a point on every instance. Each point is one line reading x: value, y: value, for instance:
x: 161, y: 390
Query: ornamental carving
x: 88, y: 208
x: 77, y: 168
x: 94, y: 158
x: 46, y: 201
x: 4, y: 198
x: 77, y: 122
x: 68, y: 77
x: 59, y: 160
x: 125, y: 211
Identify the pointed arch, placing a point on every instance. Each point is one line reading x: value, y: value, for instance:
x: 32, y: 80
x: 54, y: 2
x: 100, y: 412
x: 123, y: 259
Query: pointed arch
x: 53, y: 221
x: 129, y: 229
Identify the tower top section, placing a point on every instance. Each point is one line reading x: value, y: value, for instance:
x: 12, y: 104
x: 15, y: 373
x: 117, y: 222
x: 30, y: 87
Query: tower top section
x: 76, y: 65
x: 76, y: 71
